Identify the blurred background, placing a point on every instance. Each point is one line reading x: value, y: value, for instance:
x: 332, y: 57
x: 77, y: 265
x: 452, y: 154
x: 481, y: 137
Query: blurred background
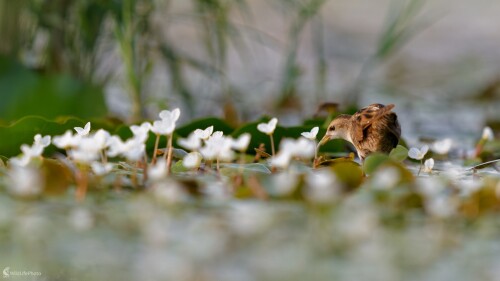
x: 438, y: 61
x: 125, y: 60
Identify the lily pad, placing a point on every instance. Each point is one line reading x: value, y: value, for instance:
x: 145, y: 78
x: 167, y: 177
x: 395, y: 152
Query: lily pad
x: 373, y: 161
x: 399, y: 153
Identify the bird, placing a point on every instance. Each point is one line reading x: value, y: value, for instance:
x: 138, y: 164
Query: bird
x: 374, y: 128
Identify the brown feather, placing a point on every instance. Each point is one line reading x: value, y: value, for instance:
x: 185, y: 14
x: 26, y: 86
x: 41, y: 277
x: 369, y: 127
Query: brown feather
x: 375, y: 128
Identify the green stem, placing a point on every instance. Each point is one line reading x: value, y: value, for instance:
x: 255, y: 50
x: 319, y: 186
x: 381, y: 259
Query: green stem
x: 272, y: 144
x: 169, y: 154
x: 157, y: 141
x: 145, y: 170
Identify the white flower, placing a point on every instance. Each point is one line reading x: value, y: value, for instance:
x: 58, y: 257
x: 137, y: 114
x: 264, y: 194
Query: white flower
x: 322, y: 186
x: 217, y: 147
x: 83, y: 131
x: 268, y: 128
x: 289, y: 148
x: 428, y: 165
x: 304, y: 149
x: 24, y: 181
x: 159, y: 170
x: 204, y: 134
x: 217, y: 134
x: 169, y: 192
x: 441, y: 206
x: 312, y: 134
x: 100, y: 169
x: 172, y: 116
x: 166, y: 125
x: 487, y: 134
x: 32, y: 151
x: 284, y: 183
x: 28, y: 153
x: 281, y: 160
x: 442, y: 146
x: 301, y: 148
x: 431, y: 187
x: 42, y: 141
x: 163, y: 127
x: 66, y: 141
x: 100, y: 139
x: 115, y: 146
x: 192, y: 160
x: 87, y: 151
x: 386, y: 178
x: 133, y: 150
x: 192, y: 142
x: 142, y: 131
x: 418, y: 154
x: 21, y: 161
x: 242, y: 142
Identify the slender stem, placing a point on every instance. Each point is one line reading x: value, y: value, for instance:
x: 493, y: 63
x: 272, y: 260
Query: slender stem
x: 242, y: 161
x: 134, y: 175
x: 272, y: 144
x: 169, y: 153
x: 104, y: 157
x: 165, y: 152
x: 145, y: 170
x: 242, y: 157
x: 208, y: 164
x: 315, y: 156
x: 218, y: 165
x: 82, y: 182
x: 157, y: 141
x: 420, y: 168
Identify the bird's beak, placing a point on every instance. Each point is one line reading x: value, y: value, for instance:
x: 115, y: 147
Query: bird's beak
x: 324, y: 140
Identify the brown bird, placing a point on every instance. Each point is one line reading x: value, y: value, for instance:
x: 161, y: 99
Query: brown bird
x: 374, y: 128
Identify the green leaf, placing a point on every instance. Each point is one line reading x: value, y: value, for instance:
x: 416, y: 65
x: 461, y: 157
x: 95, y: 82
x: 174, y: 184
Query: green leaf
x: 373, y: 161
x: 400, y: 153
x: 23, y: 131
x: 178, y: 167
x: 231, y: 169
x: 349, y: 173
x: 25, y: 92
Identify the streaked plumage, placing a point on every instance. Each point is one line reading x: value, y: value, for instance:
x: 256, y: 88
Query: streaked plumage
x: 374, y: 128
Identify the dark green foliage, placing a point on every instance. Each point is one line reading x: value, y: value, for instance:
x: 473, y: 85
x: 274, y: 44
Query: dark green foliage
x: 23, y: 131
x: 25, y: 92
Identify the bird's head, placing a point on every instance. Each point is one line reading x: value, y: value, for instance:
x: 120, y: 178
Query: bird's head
x: 338, y: 129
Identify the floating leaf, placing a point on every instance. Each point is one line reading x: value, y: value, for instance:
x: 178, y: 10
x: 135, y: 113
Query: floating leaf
x: 349, y: 173
x: 399, y: 153
x: 58, y: 177
x: 23, y: 131
x: 231, y: 169
x: 373, y: 161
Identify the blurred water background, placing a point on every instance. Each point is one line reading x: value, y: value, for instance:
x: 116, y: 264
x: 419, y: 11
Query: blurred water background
x: 438, y: 61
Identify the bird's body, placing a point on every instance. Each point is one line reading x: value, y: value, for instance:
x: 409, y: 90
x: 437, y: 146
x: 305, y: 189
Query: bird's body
x: 374, y: 128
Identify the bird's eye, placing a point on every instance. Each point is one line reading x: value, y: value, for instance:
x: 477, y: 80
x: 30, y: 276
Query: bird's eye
x: 332, y: 128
